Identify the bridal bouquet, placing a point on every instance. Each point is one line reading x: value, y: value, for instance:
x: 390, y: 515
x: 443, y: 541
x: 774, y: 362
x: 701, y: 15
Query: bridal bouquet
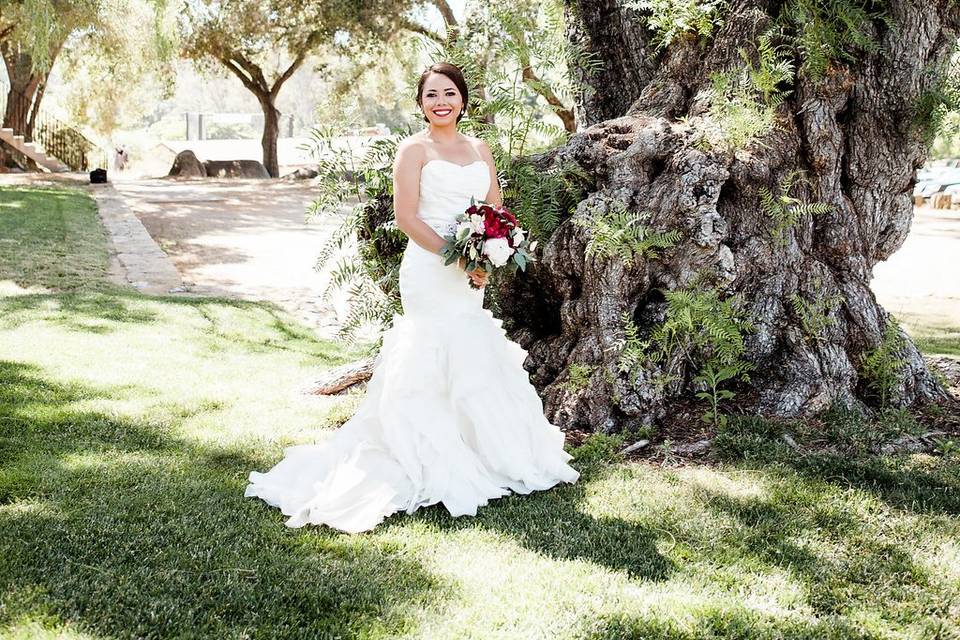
x: 490, y: 238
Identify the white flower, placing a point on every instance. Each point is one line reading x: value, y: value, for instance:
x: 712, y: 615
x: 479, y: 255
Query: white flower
x: 463, y: 230
x: 476, y: 223
x: 517, y: 235
x: 498, y: 250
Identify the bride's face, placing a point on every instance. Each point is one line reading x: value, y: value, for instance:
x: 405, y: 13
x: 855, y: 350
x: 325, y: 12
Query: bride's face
x: 441, y: 100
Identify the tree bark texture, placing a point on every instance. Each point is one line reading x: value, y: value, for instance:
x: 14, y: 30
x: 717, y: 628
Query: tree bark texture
x: 22, y: 94
x: 853, y: 134
x: 271, y: 131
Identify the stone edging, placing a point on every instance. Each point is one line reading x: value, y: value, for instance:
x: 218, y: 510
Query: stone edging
x: 142, y: 263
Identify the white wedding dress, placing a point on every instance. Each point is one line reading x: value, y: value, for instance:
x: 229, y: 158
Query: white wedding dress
x: 449, y: 414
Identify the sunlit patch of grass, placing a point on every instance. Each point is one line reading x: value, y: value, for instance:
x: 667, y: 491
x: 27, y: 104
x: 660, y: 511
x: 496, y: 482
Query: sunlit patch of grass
x: 933, y: 333
x: 50, y: 240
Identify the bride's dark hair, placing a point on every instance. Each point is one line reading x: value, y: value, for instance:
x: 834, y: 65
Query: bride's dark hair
x: 453, y: 72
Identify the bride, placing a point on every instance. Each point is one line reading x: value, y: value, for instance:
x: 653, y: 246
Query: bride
x: 449, y: 415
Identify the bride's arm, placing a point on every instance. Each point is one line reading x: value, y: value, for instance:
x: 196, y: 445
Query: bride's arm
x: 493, y: 194
x: 406, y: 197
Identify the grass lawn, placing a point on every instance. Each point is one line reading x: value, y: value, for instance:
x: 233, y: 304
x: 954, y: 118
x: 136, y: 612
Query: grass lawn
x: 128, y: 424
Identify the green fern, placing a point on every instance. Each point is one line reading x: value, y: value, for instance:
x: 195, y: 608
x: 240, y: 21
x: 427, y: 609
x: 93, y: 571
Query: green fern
x: 578, y: 377
x: 702, y: 329
x: 815, y: 314
x: 672, y: 19
x: 736, y: 118
x: 633, y: 349
x: 616, y: 232
x: 784, y: 210
x: 882, y: 367
x: 774, y: 70
x: 942, y: 99
x: 827, y: 31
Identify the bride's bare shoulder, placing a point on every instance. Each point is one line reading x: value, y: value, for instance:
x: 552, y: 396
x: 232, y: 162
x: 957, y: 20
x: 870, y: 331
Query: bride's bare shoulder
x: 480, y: 146
x: 411, y: 150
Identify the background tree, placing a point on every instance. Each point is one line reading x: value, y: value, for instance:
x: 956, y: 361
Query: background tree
x: 263, y: 43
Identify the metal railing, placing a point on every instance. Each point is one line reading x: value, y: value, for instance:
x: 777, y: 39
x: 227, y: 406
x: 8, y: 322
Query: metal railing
x: 58, y: 139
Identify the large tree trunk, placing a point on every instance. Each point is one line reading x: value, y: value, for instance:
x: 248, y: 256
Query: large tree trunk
x: 852, y: 133
x: 271, y: 131
x: 22, y: 93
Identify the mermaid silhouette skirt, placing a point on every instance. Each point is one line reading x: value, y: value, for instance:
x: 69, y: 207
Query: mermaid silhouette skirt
x: 449, y: 415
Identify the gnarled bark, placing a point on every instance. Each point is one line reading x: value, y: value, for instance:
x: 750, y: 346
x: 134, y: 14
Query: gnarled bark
x: 851, y: 132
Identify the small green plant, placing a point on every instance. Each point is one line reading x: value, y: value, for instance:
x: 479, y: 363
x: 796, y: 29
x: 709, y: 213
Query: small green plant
x: 703, y: 329
x: 701, y: 326
x: 736, y: 118
x: 814, y: 314
x: 773, y: 71
x: 578, y: 376
x: 786, y: 211
x: 743, y: 101
x: 882, y: 367
x: 948, y: 447
x: 672, y: 19
x: 633, y: 349
x: 713, y: 376
x: 616, y: 232
x: 827, y: 31
x: 934, y: 107
x: 599, y: 448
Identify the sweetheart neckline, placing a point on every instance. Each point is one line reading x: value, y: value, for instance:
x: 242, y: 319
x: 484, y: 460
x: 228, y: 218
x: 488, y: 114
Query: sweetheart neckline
x: 462, y: 166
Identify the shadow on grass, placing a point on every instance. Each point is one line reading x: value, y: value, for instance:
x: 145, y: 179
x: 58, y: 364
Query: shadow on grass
x: 120, y: 529
x: 554, y: 523
x: 898, y: 480
x: 90, y: 312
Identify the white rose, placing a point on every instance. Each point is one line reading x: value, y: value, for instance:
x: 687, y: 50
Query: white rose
x: 476, y: 223
x: 517, y: 235
x: 498, y: 250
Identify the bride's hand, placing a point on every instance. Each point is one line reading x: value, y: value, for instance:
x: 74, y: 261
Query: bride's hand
x: 478, y: 275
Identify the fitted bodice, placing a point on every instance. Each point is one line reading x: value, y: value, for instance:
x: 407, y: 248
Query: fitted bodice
x: 445, y: 191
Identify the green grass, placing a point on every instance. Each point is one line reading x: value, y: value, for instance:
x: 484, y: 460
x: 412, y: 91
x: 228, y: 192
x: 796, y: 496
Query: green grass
x: 128, y: 424
x: 49, y: 239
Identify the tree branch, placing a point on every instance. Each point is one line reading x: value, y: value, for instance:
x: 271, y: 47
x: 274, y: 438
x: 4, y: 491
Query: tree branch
x: 275, y: 89
x: 248, y: 82
x: 255, y: 72
x: 563, y: 112
x: 447, y: 13
x: 416, y: 27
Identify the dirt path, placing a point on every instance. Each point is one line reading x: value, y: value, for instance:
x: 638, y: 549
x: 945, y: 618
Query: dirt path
x: 241, y: 238
x: 920, y: 283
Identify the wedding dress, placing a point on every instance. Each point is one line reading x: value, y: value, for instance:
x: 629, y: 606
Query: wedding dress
x: 449, y: 414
